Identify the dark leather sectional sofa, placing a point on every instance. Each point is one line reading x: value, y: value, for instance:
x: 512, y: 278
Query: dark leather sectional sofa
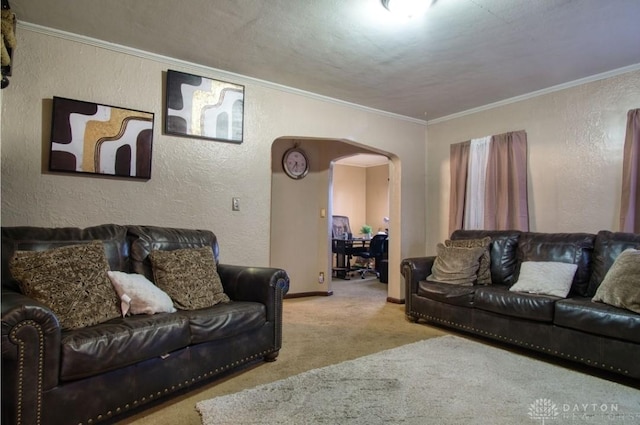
x: 573, y: 328
x: 99, y: 373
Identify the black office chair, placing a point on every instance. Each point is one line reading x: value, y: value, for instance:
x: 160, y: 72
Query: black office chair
x: 377, y: 250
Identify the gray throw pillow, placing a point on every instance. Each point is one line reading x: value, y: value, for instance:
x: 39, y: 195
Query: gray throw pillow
x: 484, y: 268
x: 189, y: 276
x: 545, y: 277
x: 456, y: 265
x: 71, y: 280
x: 621, y: 285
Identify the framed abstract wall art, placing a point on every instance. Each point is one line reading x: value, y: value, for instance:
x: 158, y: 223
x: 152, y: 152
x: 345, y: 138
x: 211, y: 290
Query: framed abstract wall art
x: 100, y: 139
x: 203, y: 107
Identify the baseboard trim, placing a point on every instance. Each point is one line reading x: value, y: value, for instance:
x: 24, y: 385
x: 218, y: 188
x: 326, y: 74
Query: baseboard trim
x: 395, y: 300
x: 309, y: 294
x: 329, y: 293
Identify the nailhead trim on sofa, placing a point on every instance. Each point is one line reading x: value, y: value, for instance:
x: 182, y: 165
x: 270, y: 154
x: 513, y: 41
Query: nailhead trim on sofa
x: 517, y: 342
x: 177, y: 386
x: 17, y: 340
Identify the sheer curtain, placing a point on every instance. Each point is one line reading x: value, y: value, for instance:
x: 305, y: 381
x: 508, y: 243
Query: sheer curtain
x: 476, y: 182
x: 489, y: 183
x: 630, y: 204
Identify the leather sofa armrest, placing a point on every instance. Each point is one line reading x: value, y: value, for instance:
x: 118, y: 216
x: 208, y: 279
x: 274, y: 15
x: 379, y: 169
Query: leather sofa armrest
x: 30, y: 354
x: 266, y: 285
x: 414, y: 270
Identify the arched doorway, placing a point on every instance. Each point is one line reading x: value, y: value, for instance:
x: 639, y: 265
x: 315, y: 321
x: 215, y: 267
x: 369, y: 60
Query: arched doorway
x: 359, y: 191
x: 301, y: 209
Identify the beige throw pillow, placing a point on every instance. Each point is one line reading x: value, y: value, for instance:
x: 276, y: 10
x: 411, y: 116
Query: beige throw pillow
x: 484, y: 268
x: 455, y: 265
x: 189, y: 276
x: 621, y: 285
x: 71, y: 280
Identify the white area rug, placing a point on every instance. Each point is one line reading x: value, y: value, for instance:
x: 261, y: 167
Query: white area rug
x: 445, y: 380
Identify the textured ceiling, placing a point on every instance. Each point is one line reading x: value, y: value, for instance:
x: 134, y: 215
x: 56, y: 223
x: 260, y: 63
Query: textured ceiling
x: 461, y: 55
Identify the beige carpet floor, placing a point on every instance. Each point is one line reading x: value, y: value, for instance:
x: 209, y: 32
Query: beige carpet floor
x: 441, y: 381
x: 317, y: 331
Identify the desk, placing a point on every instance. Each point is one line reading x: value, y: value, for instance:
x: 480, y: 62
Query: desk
x: 344, y: 249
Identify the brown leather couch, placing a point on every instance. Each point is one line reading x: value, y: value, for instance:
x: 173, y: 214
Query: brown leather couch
x: 573, y: 328
x: 102, y: 372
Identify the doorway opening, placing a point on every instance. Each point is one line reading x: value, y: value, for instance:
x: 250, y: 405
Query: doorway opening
x: 359, y: 194
x: 301, y: 209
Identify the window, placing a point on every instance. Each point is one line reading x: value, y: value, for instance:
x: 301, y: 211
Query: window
x: 489, y: 183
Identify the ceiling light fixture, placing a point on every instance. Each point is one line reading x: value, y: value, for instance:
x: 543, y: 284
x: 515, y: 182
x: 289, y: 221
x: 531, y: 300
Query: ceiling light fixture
x: 407, y: 8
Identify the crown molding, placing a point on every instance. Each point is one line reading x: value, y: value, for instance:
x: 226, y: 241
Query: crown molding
x: 201, y: 69
x: 537, y: 93
x: 196, y: 68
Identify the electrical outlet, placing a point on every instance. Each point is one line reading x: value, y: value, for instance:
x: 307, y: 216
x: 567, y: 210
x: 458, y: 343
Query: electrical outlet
x: 235, y: 204
x: 321, y: 277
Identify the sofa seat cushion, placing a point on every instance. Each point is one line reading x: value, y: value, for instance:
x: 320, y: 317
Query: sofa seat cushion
x: 224, y: 320
x: 120, y: 342
x: 447, y: 293
x: 498, y: 299
x: 582, y: 314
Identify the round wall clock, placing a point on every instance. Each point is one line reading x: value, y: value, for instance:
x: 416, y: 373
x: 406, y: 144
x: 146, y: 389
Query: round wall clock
x: 295, y: 163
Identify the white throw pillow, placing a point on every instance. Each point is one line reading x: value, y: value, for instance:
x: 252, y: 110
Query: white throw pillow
x: 545, y: 277
x: 138, y: 295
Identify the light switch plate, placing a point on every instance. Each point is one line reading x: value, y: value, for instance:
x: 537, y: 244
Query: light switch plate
x: 235, y: 204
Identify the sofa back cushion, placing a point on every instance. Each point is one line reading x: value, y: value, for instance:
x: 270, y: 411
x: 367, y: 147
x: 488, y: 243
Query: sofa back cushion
x: 145, y: 239
x: 608, y: 246
x: 503, y: 251
x: 572, y: 248
x: 27, y: 238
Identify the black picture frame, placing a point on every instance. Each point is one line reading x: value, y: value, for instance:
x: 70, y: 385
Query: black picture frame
x: 94, y: 138
x: 204, y: 108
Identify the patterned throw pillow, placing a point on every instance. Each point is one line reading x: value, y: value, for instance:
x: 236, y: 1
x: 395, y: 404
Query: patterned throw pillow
x: 456, y: 266
x: 189, y: 276
x: 484, y: 270
x: 71, y: 280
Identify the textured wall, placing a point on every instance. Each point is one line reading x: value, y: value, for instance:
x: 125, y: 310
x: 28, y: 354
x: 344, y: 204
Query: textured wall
x: 575, y: 140
x: 192, y: 181
x: 377, y: 197
x: 300, y: 240
x: 350, y: 195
